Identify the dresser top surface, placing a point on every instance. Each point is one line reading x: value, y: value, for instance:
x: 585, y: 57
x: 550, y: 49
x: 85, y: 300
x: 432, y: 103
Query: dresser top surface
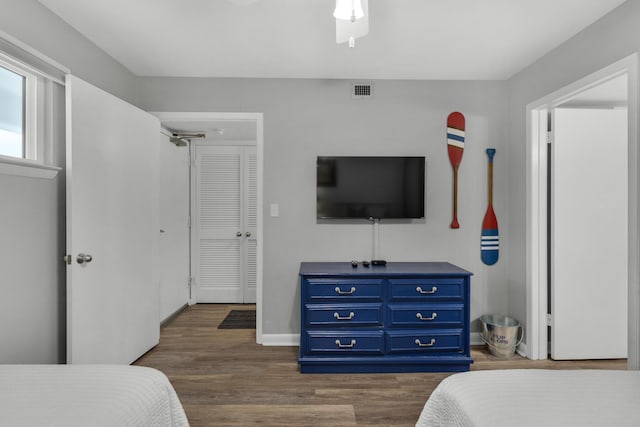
x: 390, y: 269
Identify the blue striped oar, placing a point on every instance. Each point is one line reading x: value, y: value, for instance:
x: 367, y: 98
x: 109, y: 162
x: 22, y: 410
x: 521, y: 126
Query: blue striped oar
x: 455, y: 147
x: 489, y: 247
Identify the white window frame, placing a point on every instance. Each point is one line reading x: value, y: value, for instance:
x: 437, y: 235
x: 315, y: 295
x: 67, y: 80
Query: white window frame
x: 37, y: 156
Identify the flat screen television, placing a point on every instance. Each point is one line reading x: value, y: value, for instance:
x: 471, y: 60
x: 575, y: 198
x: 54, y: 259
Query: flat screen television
x: 370, y: 187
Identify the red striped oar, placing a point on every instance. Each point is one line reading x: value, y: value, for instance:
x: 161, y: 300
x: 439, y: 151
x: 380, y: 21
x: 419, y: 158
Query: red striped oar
x: 490, y: 240
x: 455, y: 146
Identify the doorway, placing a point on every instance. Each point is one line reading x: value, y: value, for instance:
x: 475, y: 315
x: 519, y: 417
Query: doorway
x: 236, y: 140
x: 587, y: 95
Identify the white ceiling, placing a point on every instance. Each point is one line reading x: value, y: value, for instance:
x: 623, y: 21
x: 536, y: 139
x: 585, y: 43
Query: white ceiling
x: 408, y: 39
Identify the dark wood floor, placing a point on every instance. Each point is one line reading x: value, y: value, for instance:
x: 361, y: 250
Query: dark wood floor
x: 223, y: 378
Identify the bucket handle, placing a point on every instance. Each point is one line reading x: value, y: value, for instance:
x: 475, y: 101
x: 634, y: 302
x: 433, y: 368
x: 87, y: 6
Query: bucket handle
x: 520, y: 331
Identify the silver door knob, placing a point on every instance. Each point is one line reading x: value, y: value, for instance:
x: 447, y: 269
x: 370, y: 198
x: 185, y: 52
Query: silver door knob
x: 248, y: 234
x: 239, y: 234
x: 84, y: 258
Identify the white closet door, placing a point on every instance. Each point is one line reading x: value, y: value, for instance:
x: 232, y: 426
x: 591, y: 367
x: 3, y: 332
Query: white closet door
x: 589, y: 234
x: 225, y: 231
x: 112, y: 218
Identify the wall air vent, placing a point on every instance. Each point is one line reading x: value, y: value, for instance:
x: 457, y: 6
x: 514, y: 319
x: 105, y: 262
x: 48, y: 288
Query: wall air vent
x: 361, y: 90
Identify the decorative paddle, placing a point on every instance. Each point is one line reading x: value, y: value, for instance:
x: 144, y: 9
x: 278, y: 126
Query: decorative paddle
x: 490, y: 240
x: 455, y: 145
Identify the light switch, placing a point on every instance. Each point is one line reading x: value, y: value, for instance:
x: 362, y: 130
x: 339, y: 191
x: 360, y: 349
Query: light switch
x: 275, y: 209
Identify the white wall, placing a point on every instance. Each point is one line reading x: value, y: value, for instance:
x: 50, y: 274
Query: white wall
x: 174, y: 237
x: 32, y: 287
x: 306, y: 118
x: 608, y: 40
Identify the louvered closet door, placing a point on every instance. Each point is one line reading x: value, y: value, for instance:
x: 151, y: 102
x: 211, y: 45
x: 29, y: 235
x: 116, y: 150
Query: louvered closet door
x: 225, y: 224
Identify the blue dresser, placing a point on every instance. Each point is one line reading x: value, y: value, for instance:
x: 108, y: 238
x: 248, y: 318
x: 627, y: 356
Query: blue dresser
x: 401, y: 317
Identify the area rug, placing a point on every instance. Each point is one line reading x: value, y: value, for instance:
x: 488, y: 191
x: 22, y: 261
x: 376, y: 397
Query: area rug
x: 239, y: 319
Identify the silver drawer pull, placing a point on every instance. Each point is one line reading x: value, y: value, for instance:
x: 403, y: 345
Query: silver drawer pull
x: 350, y: 345
x: 349, y: 317
x: 430, y: 344
x: 433, y: 316
x: 433, y: 290
x: 341, y: 292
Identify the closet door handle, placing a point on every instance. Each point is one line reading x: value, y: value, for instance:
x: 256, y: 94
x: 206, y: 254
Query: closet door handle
x: 239, y: 234
x: 84, y: 258
x: 248, y: 234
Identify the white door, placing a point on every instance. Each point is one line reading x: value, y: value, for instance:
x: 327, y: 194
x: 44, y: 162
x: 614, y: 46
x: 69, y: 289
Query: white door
x: 174, y: 227
x: 112, y: 297
x: 589, y: 247
x: 224, y: 223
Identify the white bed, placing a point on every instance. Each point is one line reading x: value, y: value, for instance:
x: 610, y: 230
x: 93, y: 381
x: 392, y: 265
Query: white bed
x: 87, y: 395
x: 534, y: 397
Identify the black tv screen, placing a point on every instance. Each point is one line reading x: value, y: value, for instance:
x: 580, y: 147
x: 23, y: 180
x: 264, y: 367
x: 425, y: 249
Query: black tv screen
x: 370, y: 187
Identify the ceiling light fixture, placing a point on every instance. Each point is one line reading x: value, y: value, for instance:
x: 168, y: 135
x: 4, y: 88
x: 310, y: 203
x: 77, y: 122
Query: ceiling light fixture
x: 348, y: 10
x: 352, y: 20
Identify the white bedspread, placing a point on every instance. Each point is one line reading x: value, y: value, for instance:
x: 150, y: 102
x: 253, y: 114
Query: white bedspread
x: 87, y: 395
x: 534, y: 397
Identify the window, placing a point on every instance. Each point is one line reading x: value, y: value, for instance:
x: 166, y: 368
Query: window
x: 25, y: 111
x: 12, y: 88
x: 16, y: 105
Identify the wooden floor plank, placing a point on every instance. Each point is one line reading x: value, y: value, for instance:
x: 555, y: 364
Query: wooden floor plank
x: 268, y: 415
x: 223, y: 378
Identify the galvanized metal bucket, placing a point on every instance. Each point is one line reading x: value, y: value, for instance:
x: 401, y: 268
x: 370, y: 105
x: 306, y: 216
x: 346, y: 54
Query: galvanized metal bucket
x: 500, y: 333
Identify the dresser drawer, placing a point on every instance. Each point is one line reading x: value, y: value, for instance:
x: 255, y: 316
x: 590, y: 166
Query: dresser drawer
x: 426, y: 315
x: 343, y: 289
x: 356, y: 342
x: 427, y: 289
x: 425, y: 341
x: 343, y: 315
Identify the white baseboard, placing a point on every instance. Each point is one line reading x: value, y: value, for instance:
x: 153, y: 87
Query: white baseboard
x: 173, y: 315
x: 522, y: 350
x: 286, y: 340
x: 476, y: 338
